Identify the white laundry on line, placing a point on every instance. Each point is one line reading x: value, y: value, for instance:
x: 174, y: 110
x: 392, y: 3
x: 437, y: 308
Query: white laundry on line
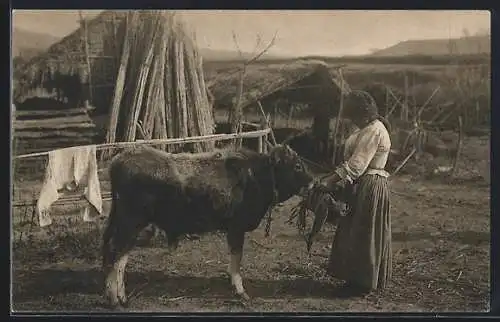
x: 69, y: 169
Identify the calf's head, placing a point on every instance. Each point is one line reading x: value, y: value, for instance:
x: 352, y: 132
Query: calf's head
x: 291, y: 174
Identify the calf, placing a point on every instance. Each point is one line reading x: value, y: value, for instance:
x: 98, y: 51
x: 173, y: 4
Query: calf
x: 228, y: 191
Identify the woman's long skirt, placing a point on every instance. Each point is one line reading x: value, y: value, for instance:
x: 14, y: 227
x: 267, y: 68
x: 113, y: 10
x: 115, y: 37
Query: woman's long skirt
x: 361, y: 252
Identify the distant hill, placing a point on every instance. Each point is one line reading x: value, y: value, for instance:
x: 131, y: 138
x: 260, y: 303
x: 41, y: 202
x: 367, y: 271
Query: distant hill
x: 29, y: 43
x: 215, y: 55
x: 436, y: 47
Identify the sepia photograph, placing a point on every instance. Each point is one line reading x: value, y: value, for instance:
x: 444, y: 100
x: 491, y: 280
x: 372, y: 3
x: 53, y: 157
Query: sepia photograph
x: 180, y: 161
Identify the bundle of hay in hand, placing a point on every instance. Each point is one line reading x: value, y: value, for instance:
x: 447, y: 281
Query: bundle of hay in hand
x: 326, y: 206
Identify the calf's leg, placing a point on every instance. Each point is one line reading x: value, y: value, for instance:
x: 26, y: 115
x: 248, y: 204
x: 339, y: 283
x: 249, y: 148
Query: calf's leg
x: 119, y: 238
x: 235, y: 240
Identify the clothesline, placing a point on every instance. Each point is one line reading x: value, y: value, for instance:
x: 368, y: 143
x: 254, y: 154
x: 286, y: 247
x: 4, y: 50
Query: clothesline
x: 107, y: 196
x: 192, y: 139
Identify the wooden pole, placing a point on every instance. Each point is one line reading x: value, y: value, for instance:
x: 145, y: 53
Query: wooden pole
x: 181, y: 88
x: 151, y: 105
x: 405, y: 101
x: 337, y: 121
x: 260, y: 148
x: 170, y: 121
x: 386, y: 112
x: 116, y: 48
x: 412, y: 152
x: 120, y: 80
x: 459, y: 146
x: 421, y: 109
x: 212, y: 137
x: 266, y: 119
x: 206, y: 96
x: 162, y: 105
x: 83, y: 25
x: 145, y: 69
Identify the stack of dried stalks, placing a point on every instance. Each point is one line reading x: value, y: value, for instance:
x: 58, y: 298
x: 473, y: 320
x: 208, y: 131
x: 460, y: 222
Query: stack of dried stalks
x: 160, y: 91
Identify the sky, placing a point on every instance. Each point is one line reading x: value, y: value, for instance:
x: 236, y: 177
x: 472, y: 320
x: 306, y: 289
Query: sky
x: 299, y: 32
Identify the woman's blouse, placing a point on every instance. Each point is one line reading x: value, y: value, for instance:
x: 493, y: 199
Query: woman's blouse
x: 366, y: 152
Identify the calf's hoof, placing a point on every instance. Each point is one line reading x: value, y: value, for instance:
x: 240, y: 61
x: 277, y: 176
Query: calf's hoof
x: 244, y: 297
x: 114, y: 301
x: 123, y: 302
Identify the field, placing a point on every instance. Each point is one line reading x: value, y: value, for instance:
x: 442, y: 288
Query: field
x: 441, y: 245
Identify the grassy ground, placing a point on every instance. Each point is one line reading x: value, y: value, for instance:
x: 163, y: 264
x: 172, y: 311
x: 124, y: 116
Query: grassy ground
x: 441, y: 234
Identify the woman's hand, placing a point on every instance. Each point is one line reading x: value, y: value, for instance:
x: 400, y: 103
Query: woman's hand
x: 327, y: 184
x: 342, y: 183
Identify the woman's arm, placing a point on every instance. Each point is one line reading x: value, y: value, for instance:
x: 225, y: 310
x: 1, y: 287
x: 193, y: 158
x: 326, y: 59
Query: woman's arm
x: 364, y: 151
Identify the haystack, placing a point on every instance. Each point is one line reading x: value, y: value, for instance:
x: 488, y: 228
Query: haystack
x: 160, y: 89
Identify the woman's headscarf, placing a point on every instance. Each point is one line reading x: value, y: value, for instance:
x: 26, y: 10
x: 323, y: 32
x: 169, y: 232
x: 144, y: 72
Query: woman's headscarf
x: 359, y: 105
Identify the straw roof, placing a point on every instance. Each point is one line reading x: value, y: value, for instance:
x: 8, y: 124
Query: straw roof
x: 264, y: 80
x: 71, y: 48
x: 68, y: 56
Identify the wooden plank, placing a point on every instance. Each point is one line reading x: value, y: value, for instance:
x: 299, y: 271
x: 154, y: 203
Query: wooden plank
x: 29, y: 135
x: 51, y: 113
x: 55, y: 141
x: 54, y: 120
x: 53, y: 126
x: 255, y: 125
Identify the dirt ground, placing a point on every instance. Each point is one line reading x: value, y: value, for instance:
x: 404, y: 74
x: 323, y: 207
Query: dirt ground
x: 441, y: 247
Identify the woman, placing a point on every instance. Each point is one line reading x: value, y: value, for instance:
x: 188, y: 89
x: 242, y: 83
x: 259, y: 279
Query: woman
x: 361, y: 252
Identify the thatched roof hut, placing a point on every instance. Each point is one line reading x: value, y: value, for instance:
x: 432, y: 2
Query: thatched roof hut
x: 307, y: 82
x: 298, y: 81
x: 66, y: 65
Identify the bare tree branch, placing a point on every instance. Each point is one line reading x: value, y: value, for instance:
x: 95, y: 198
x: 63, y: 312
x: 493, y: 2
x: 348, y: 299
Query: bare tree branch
x: 255, y: 57
x: 265, y: 50
x: 235, y: 39
x: 236, y: 114
x: 257, y: 43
